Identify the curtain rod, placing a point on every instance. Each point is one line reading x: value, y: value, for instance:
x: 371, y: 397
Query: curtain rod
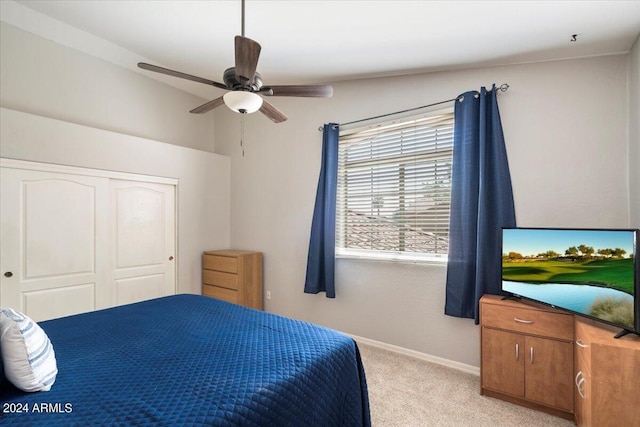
x: 502, y: 88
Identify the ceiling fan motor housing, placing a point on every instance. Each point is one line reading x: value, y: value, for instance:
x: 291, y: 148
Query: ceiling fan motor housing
x: 232, y: 82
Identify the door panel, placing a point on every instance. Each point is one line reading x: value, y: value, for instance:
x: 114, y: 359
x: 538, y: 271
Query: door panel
x: 140, y: 288
x: 58, y: 302
x: 140, y: 220
x: 53, y: 239
x: 143, y: 229
x: 58, y: 228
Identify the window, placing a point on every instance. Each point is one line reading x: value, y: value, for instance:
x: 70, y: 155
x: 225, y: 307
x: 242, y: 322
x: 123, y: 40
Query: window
x: 394, y: 189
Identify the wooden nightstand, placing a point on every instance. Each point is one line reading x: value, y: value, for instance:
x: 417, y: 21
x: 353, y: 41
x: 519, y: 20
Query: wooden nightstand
x: 233, y: 276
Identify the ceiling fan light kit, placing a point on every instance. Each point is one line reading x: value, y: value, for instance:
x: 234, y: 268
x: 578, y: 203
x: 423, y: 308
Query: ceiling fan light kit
x: 244, y: 83
x: 242, y: 102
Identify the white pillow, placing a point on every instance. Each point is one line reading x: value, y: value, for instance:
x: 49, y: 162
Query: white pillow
x: 28, y: 359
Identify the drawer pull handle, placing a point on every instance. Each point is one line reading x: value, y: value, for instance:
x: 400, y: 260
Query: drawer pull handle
x: 580, y: 387
x: 531, y: 355
x: 579, y: 343
x: 528, y: 322
x: 578, y: 375
x: 517, y: 351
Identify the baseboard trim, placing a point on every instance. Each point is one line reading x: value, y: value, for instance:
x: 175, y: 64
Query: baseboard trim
x: 418, y: 355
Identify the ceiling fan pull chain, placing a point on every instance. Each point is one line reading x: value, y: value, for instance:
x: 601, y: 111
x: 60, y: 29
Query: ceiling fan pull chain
x: 242, y: 133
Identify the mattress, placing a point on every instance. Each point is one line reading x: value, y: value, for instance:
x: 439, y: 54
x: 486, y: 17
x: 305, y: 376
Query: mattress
x: 194, y: 361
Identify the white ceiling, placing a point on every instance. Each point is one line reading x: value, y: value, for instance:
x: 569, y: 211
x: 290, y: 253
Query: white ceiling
x: 326, y: 41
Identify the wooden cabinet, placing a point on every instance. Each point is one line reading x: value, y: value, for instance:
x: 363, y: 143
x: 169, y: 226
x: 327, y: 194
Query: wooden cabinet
x: 607, y: 376
x: 527, y: 355
x: 233, y: 276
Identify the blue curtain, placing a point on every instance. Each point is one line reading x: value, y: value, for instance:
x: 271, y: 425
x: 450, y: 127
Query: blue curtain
x: 322, y: 245
x: 481, y: 203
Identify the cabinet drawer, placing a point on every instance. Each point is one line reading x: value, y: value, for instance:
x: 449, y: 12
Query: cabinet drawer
x: 534, y: 322
x: 220, y: 263
x: 220, y: 293
x: 217, y: 278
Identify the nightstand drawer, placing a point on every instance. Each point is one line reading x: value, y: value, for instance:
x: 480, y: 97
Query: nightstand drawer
x: 220, y: 263
x: 217, y: 278
x: 534, y: 322
x: 220, y: 293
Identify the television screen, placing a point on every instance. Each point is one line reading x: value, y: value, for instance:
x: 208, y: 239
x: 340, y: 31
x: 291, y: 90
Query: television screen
x: 589, y: 272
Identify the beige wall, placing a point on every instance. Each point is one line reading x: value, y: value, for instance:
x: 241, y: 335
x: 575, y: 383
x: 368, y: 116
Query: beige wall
x: 41, y: 77
x: 565, y: 126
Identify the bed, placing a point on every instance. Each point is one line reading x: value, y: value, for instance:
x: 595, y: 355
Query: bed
x: 195, y: 361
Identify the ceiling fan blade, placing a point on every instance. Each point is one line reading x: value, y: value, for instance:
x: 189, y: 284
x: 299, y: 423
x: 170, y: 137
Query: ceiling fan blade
x: 208, y: 106
x: 247, y: 55
x: 173, y: 73
x: 272, y: 112
x: 314, y: 91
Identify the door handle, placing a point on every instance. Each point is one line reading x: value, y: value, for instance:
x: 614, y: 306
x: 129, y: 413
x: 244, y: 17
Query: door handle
x: 170, y: 258
x: 580, y: 391
x: 579, y: 343
x: 8, y: 274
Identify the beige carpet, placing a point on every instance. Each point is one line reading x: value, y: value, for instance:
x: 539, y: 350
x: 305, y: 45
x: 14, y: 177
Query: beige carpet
x: 405, y: 391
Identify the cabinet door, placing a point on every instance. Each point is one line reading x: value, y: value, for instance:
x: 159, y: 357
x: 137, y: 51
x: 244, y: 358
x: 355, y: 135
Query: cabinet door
x: 615, y: 385
x: 503, y: 361
x: 548, y: 372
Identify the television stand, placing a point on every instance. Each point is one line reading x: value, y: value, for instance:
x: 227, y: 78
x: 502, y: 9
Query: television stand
x: 625, y: 332
x: 552, y: 361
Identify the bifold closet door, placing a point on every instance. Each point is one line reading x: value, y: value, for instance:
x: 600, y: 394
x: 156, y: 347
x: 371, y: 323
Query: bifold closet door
x: 54, y: 242
x: 143, y: 240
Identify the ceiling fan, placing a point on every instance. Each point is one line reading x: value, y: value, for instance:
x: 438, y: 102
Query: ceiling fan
x: 245, y: 83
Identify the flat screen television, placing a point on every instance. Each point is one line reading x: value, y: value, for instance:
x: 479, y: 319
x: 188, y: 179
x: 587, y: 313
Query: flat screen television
x: 589, y: 272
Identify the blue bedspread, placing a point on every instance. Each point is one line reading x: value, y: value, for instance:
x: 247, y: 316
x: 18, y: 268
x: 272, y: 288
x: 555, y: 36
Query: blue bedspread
x: 195, y: 361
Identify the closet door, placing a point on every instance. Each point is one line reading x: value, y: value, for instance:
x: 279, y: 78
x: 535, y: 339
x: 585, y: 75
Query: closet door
x: 143, y: 240
x: 75, y: 240
x: 54, y: 242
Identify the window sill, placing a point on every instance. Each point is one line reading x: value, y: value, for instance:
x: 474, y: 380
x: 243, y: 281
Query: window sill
x: 439, y: 261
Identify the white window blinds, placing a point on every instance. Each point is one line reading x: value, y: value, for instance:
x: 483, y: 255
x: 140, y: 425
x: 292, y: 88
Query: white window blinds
x: 394, y: 188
